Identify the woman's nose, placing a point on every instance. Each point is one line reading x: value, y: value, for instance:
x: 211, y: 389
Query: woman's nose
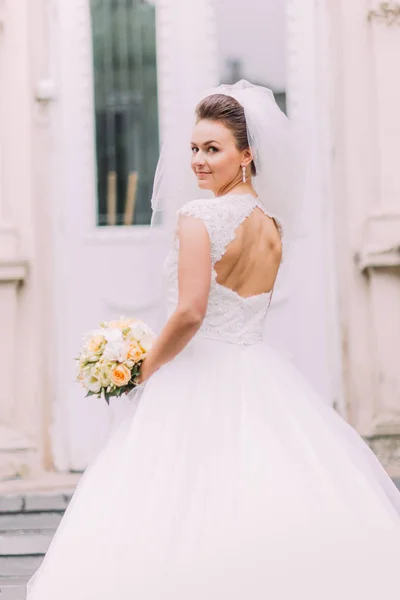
x: 198, y: 158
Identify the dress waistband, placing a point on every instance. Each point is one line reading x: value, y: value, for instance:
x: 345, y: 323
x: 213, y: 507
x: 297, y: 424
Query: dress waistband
x: 245, y: 339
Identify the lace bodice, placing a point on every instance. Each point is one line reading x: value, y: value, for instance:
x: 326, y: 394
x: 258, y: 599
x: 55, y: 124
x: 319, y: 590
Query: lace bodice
x: 229, y: 316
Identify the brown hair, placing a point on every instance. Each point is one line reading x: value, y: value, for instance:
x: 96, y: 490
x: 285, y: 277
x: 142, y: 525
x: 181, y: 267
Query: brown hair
x: 227, y: 110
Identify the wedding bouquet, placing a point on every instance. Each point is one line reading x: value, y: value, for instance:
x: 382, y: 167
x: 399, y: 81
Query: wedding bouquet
x: 111, y: 357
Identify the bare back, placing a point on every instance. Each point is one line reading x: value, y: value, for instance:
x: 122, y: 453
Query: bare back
x: 251, y: 261
x: 242, y: 245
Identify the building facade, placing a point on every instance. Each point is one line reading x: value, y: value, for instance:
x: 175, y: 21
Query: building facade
x: 365, y: 94
x: 88, y: 89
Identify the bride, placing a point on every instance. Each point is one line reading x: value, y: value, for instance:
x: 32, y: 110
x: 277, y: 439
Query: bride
x: 232, y: 479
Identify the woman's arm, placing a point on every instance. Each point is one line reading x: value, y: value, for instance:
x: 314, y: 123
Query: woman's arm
x: 194, y: 276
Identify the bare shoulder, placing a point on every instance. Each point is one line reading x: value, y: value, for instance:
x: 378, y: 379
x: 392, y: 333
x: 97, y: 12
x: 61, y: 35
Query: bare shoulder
x: 192, y: 230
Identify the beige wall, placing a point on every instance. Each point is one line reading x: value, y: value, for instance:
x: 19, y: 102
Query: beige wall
x: 24, y: 243
x: 365, y: 101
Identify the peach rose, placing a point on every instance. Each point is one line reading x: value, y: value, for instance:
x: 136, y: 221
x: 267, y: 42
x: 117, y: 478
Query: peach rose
x: 121, y: 375
x: 134, y: 352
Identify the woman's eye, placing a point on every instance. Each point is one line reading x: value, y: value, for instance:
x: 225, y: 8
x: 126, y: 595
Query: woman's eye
x: 211, y: 149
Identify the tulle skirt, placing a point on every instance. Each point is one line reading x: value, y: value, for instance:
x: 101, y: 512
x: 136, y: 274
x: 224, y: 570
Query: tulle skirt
x: 227, y: 479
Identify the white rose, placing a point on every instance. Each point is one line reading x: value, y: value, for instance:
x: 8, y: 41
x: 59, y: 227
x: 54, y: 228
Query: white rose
x: 146, y: 342
x: 112, y: 335
x: 116, y: 351
x: 92, y: 383
x: 137, y: 331
x: 94, y: 358
x: 104, y: 375
x: 142, y: 334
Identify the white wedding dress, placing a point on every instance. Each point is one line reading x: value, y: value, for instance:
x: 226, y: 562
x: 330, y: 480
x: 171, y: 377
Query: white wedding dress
x: 231, y: 480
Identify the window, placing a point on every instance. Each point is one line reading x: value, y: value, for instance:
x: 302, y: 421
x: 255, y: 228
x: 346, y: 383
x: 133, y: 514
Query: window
x: 126, y: 109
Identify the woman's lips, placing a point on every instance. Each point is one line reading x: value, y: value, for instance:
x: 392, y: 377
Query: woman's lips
x: 202, y: 174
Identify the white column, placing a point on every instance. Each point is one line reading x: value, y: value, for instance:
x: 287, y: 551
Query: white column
x: 18, y: 455
x: 314, y: 337
x: 380, y: 249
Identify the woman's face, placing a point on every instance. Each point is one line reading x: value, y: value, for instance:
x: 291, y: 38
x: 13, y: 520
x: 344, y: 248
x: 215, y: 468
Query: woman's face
x: 216, y: 161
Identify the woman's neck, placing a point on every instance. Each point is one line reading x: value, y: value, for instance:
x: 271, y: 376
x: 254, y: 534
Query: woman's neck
x: 238, y: 188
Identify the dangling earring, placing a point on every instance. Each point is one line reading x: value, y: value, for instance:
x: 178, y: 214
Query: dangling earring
x: 244, y: 174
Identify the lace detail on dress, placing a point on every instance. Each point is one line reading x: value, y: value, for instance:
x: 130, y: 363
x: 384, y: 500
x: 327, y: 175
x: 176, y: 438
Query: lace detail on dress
x: 221, y: 216
x: 230, y: 317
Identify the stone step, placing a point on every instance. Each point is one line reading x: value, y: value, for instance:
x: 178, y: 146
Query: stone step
x: 31, y: 502
x: 10, y: 592
x: 13, y: 581
x: 29, y: 521
x: 17, y: 543
x: 19, y: 566
x: 13, y: 588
